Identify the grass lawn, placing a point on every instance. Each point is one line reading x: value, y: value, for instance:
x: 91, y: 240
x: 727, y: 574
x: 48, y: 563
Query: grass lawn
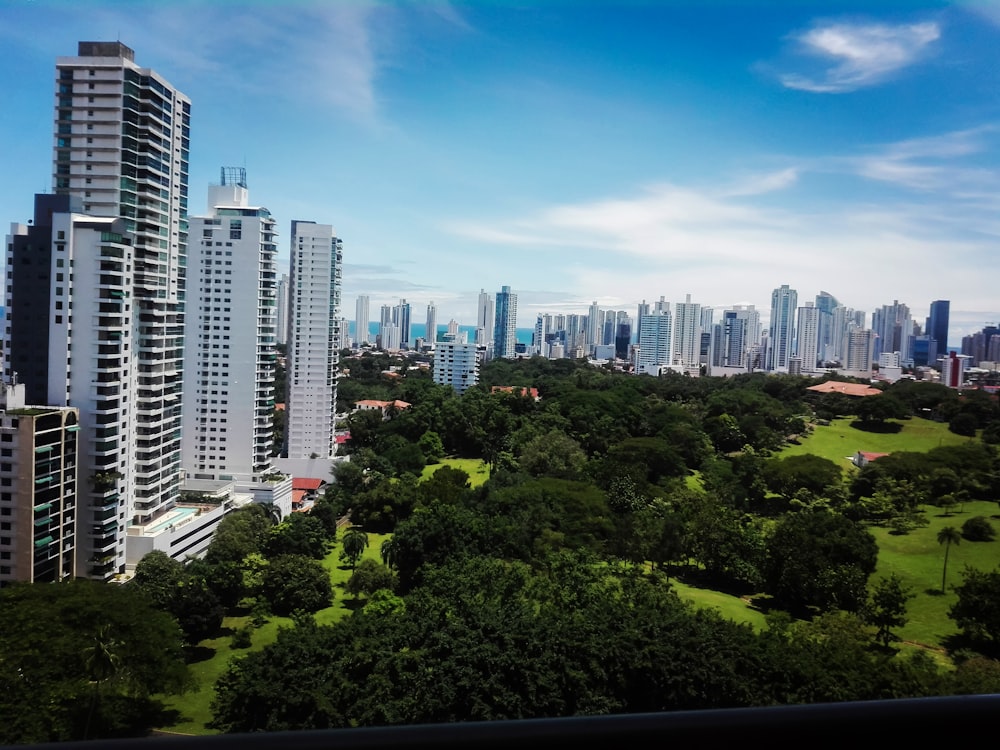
x: 729, y: 606
x: 839, y: 440
x: 477, y: 470
x: 213, y: 655
x: 918, y: 560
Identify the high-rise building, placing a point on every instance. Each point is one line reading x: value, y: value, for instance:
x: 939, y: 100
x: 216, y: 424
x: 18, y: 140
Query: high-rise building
x: 781, y: 331
x: 230, y: 335
x: 687, y: 335
x: 431, y: 327
x: 456, y: 363
x: 543, y: 328
x: 485, y: 320
x: 738, y: 332
x: 317, y: 260
x: 826, y: 303
x: 122, y: 146
x: 859, y: 350
x: 505, y: 330
x: 595, y: 326
x: 361, y: 334
x: 893, y: 327
x: 807, y: 333
x: 656, y: 342
x: 401, y: 317
x: 38, y: 501
x: 65, y: 263
x: 937, y: 323
x: 282, y: 313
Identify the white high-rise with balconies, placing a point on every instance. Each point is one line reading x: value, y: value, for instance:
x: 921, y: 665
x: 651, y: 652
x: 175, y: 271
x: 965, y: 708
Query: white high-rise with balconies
x: 316, y: 260
x: 361, y: 334
x: 807, y: 333
x: 230, y: 335
x: 122, y: 144
x: 687, y: 335
x: 781, y: 334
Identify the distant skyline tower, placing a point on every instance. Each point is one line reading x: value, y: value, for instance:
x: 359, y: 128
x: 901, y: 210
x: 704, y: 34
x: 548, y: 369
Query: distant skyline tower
x: 361, y: 325
x: 826, y: 303
x: 656, y: 341
x: 594, y: 325
x: 893, y: 327
x: 430, y: 327
x: 781, y: 331
x: 937, y: 324
x: 505, y: 330
x: 687, y: 334
x: 485, y: 320
x: 317, y: 261
x: 401, y: 317
x: 807, y: 332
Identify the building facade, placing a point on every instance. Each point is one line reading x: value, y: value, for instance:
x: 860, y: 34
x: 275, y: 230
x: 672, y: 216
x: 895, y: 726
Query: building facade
x: 39, y: 526
x: 122, y: 147
x: 781, y: 331
x: 505, y: 330
x: 316, y: 268
x: 86, y: 361
x: 456, y: 363
x: 230, y: 336
x: 361, y: 334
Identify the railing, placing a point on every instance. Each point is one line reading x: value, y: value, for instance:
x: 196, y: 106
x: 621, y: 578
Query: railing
x: 824, y: 725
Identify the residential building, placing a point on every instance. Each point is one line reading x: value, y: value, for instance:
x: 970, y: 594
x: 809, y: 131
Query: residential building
x: 656, y: 342
x: 687, y: 335
x: 781, y: 331
x: 485, y: 320
x: 230, y: 335
x: 122, y: 147
x: 430, y: 328
x: 953, y: 369
x: 893, y: 327
x: 505, y: 330
x: 63, y: 262
x: 317, y: 260
x: 456, y: 363
x: 826, y: 303
x: 859, y: 351
x: 937, y: 324
x: 807, y: 335
x: 738, y: 331
x: 282, y: 312
x: 595, y: 326
x: 401, y: 318
x: 39, y: 507
x: 361, y: 333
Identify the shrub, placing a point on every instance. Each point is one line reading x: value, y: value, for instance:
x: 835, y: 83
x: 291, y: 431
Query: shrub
x: 242, y: 637
x: 978, y: 529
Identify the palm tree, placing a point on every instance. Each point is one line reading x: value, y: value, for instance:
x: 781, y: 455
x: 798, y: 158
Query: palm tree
x: 102, y: 662
x: 273, y: 513
x: 355, y: 543
x: 948, y: 536
x: 389, y: 551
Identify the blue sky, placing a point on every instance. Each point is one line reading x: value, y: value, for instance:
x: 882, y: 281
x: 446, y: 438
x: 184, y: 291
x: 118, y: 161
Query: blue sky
x: 575, y: 150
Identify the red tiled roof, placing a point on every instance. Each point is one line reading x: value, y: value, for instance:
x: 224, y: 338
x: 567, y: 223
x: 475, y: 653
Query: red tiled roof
x: 848, y: 389
x: 869, y: 456
x: 306, y: 483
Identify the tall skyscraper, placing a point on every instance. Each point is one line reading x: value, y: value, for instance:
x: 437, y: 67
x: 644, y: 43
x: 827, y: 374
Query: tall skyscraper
x: 859, y: 350
x: 687, y: 334
x: 401, y: 317
x: 505, y: 330
x: 485, y: 320
x: 230, y: 335
x: 781, y: 332
x: 937, y: 324
x: 735, y: 337
x: 430, y: 328
x: 656, y: 340
x: 100, y: 378
x: 361, y: 334
x: 807, y: 332
x: 893, y: 327
x: 282, y: 313
x: 595, y: 326
x: 317, y: 259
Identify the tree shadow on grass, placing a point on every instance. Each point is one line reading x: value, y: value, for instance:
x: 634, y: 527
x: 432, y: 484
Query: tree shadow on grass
x: 884, y: 428
x: 195, y: 654
x: 353, y: 604
x: 934, y: 592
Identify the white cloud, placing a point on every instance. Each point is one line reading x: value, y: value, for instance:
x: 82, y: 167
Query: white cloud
x: 863, y: 54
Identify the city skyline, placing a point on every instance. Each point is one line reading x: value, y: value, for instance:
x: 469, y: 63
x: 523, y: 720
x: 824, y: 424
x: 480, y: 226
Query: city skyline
x: 733, y: 150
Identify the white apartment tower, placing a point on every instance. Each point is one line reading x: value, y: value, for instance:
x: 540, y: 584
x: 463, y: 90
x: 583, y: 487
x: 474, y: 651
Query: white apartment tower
x: 85, y: 361
x: 485, y: 320
x: 282, y: 313
x: 781, y: 334
x: 430, y: 328
x: 230, y: 335
x: 655, y: 333
x: 122, y: 144
x: 807, y: 333
x: 456, y: 363
x: 687, y: 335
x: 361, y: 335
x: 316, y: 259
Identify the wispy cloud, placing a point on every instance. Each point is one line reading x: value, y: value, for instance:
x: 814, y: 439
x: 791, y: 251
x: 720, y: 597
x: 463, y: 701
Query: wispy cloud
x: 862, y: 55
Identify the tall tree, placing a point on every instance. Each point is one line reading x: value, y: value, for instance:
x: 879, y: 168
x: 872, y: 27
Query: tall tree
x: 355, y: 543
x: 947, y: 536
x: 886, y: 608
